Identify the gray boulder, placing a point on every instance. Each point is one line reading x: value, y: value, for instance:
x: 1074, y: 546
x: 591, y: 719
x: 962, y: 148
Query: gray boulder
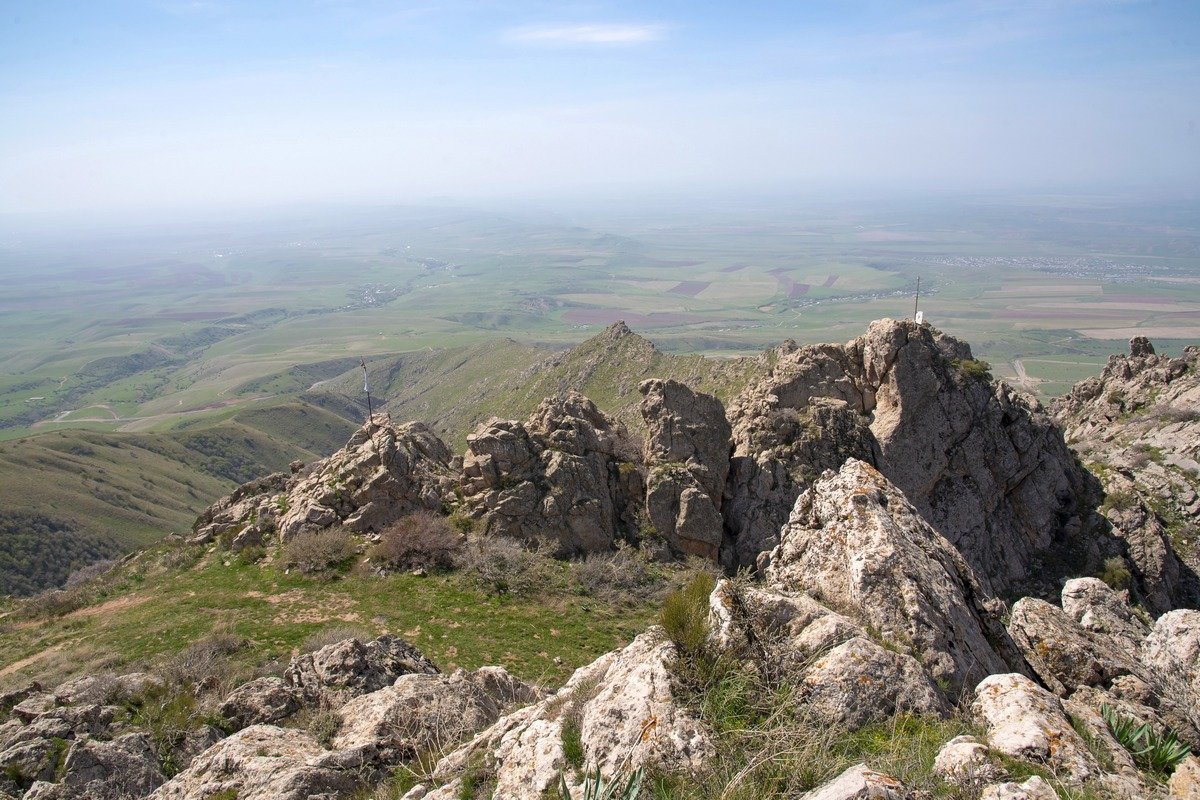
x: 421, y: 712
x: 860, y: 682
x: 260, y: 701
x: 567, y: 475
x: 337, y: 672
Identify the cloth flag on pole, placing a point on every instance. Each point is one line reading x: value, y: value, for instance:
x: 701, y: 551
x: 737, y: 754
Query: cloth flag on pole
x: 366, y: 387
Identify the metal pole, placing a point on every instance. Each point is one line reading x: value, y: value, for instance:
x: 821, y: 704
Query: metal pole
x: 366, y: 388
x: 917, y: 297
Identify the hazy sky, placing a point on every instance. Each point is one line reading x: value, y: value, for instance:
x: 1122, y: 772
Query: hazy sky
x: 107, y: 104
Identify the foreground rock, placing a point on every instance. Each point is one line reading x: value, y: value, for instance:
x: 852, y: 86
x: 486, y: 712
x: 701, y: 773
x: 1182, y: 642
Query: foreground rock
x: 986, y: 467
x: 624, y: 710
x: 854, y: 539
x: 421, y: 713
x: 384, y: 472
x: 1028, y: 723
x: 263, y: 762
x: 859, y: 783
x: 567, y: 475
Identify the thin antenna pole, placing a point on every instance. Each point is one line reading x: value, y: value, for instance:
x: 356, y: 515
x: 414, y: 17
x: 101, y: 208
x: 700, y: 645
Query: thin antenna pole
x: 917, y: 297
x: 366, y: 388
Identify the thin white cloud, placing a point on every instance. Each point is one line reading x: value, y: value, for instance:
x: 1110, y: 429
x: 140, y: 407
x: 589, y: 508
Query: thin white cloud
x: 595, y: 34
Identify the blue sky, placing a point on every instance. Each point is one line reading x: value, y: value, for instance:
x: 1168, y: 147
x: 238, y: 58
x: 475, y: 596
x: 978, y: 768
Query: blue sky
x: 194, y: 103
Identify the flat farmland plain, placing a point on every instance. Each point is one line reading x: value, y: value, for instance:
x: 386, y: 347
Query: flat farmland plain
x: 152, y: 328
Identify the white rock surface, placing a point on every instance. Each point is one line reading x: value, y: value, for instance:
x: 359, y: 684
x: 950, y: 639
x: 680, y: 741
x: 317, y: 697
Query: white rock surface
x: 1035, y: 788
x: 856, y: 542
x: 1025, y: 721
x: 627, y: 715
x: 859, y: 783
x: 263, y: 762
x: 964, y: 761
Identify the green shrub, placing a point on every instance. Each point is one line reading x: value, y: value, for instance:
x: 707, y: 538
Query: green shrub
x: 251, y: 555
x: 1153, y: 751
x: 974, y: 368
x: 324, y: 726
x: 1116, y: 573
x: 1120, y: 500
x: 419, y: 541
x: 319, y: 552
x: 684, y: 614
x: 623, y: 786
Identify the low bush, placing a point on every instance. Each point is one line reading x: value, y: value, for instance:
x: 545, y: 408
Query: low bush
x: 419, y: 541
x: 202, y: 661
x: 503, y: 566
x: 684, y: 615
x: 974, y: 368
x: 319, y: 552
x: 1116, y: 573
x: 1120, y: 500
x: 54, y: 603
x: 89, y: 573
x: 624, y: 575
x: 324, y: 726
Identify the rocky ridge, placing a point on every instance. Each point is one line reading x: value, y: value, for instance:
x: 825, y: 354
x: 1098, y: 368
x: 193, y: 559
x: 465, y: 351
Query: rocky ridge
x: 863, y: 609
x: 1139, y: 425
x: 984, y: 465
x: 888, y: 497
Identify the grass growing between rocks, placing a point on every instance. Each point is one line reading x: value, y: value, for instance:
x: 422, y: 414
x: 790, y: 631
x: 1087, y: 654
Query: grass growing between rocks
x: 768, y: 746
x: 159, y: 603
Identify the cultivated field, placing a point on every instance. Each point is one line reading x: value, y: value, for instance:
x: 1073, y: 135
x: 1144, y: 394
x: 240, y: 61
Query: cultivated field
x: 151, y: 329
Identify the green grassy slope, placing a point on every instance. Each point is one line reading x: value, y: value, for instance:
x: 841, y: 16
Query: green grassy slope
x: 166, y: 598
x: 455, y: 389
x: 69, y: 497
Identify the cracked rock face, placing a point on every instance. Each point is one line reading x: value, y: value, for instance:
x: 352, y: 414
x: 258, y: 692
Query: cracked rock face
x: 984, y: 465
x: 383, y: 473
x: 855, y: 539
x: 568, y: 475
x: 337, y: 672
x: 687, y: 456
x: 1139, y: 424
x: 624, y: 707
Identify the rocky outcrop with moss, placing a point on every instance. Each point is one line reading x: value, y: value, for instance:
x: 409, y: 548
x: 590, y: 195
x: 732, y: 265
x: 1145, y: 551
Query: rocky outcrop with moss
x: 567, y: 475
x: 984, y: 465
x: 1138, y: 426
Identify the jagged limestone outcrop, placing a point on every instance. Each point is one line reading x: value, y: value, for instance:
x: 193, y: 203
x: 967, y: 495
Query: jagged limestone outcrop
x: 568, y: 475
x: 1138, y: 424
x: 984, y: 465
x: 687, y: 460
x: 624, y: 709
x: 383, y: 472
x: 856, y: 543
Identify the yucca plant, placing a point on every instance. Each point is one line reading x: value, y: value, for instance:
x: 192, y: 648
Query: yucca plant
x: 594, y: 787
x: 1153, y: 751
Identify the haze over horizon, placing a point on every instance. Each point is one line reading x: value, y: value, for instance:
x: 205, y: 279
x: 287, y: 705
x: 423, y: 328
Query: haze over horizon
x: 169, y: 103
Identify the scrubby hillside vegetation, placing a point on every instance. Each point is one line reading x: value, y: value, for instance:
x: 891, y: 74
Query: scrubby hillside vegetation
x: 74, y: 497
x: 860, y: 570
